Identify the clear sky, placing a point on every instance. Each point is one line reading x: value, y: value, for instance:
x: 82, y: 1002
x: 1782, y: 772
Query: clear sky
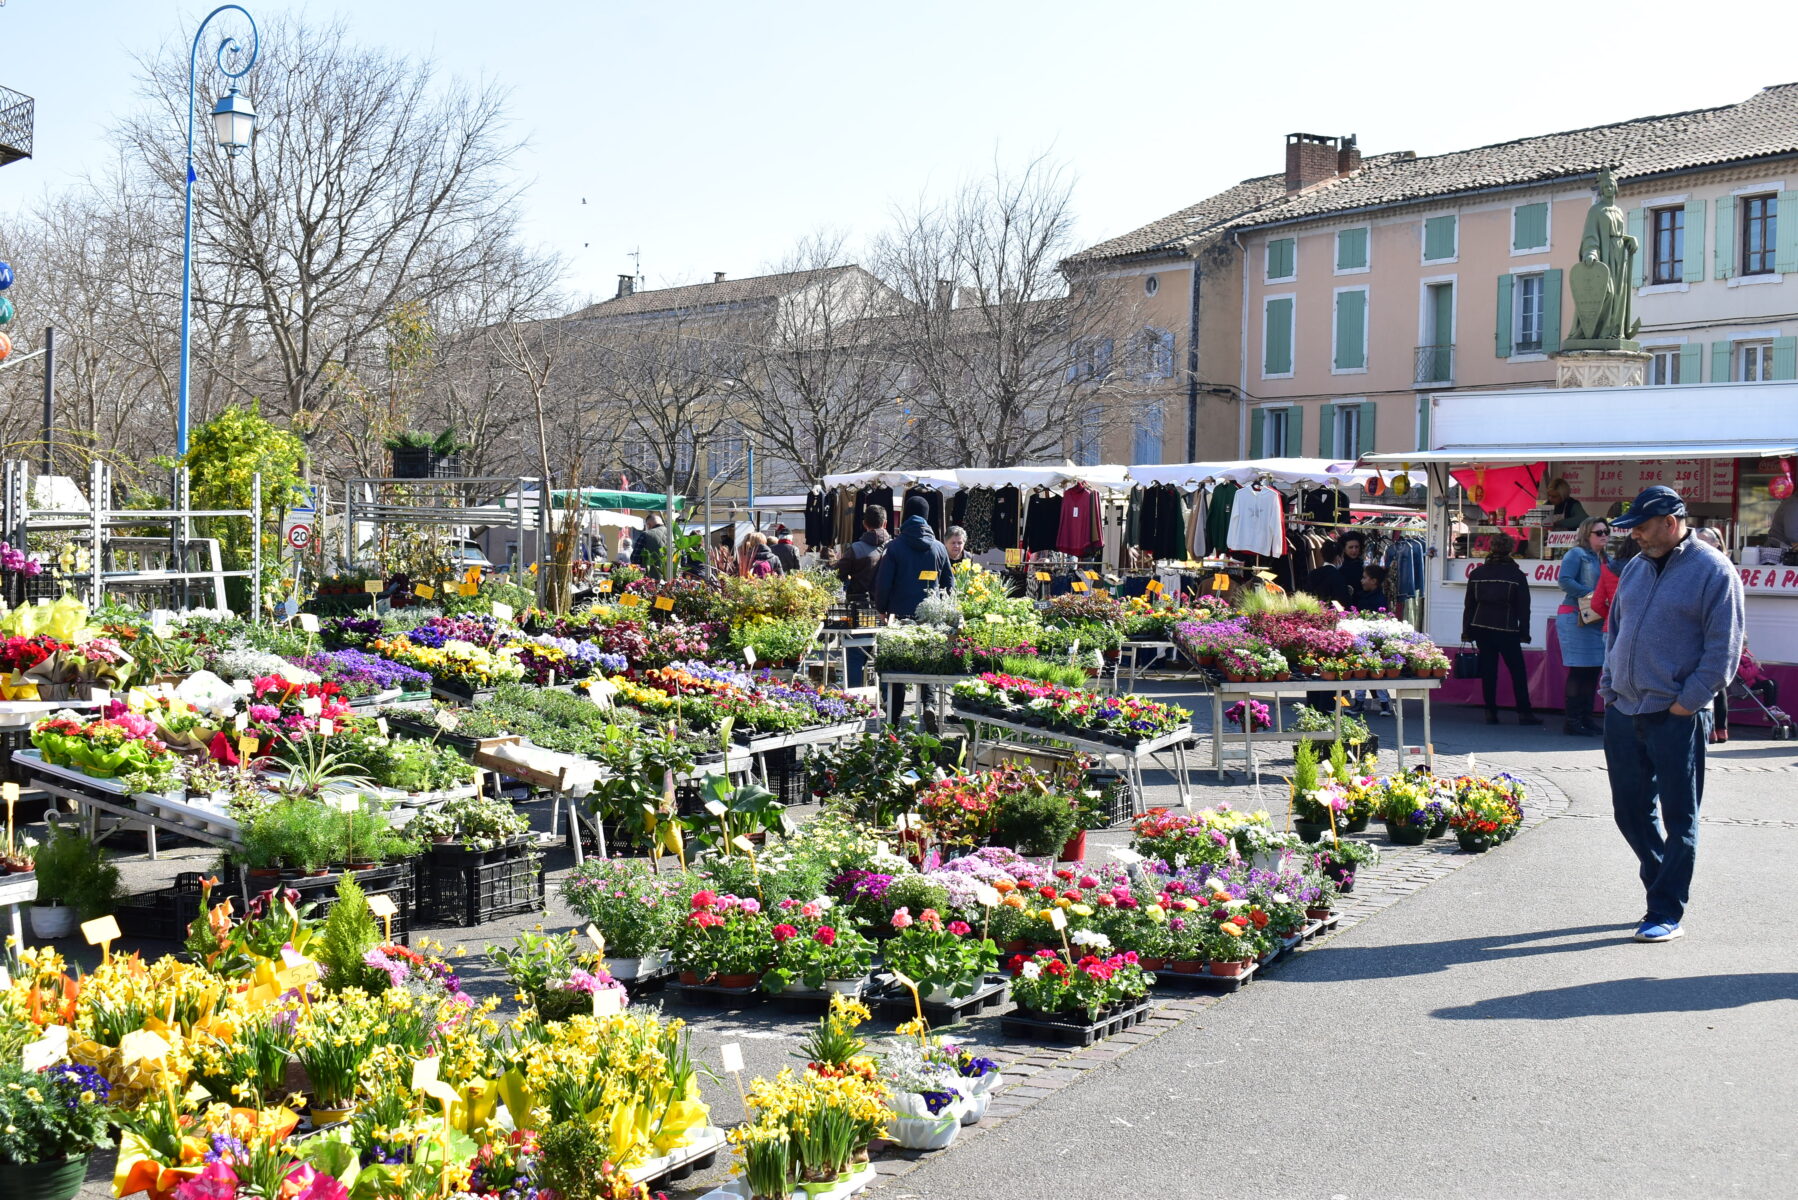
x: 713, y: 136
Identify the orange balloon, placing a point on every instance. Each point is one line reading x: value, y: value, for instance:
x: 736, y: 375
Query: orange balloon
x: 5, y: 347
x: 1375, y: 486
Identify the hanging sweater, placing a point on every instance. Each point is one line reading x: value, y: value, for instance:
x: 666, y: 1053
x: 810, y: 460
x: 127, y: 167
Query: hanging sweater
x: 1217, y: 516
x: 1256, y: 522
x: 1079, y: 529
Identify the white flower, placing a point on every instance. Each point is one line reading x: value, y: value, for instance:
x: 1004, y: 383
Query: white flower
x: 1031, y: 970
x: 1090, y: 937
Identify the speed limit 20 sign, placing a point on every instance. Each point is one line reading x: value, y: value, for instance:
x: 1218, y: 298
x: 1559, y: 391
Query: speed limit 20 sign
x: 298, y: 534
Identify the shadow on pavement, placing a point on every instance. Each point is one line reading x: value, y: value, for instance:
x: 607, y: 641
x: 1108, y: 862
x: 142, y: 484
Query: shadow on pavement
x: 1341, y: 964
x: 1622, y: 997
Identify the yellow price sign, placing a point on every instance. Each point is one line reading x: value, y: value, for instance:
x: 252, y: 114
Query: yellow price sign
x: 605, y: 586
x: 1014, y: 557
x: 927, y: 576
x: 472, y: 575
x: 1042, y: 577
x: 424, y: 591
x: 1220, y: 583
x: 1078, y: 586
x: 629, y: 601
x: 1155, y: 586
x: 1093, y: 575
x: 665, y: 603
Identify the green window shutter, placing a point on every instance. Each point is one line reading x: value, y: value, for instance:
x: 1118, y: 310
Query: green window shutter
x: 1551, y: 311
x: 1785, y: 237
x: 1295, y: 432
x: 1277, y: 359
x: 1691, y: 362
x: 1722, y: 369
x: 1529, y: 226
x: 1785, y: 358
x: 1723, y: 251
x: 1501, y: 330
x: 1351, y: 330
x: 1439, y: 238
x: 1281, y: 257
x: 1367, y: 411
x: 1694, y: 264
x: 1326, y: 431
x: 1351, y: 249
x: 1423, y: 422
x: 1642, y: 249
x: 1257, y: 424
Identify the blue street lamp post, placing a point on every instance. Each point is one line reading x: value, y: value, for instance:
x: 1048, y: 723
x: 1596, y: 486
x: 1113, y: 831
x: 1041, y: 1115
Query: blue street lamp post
x: 233, y: 120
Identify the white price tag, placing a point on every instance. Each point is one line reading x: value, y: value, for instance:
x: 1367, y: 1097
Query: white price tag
x: 446, y: 719
x: 716, y: 808
x: 1125, y: 855
x: 988, y: 895
x: 1058, y: 918
x: 599, y: 939
x: 424, y: 1072
x: 309, y: 622
x: 382, y: 906
x: 241, y: 722
x: 749, y: 655
x: 502, y: 612
x: 732, y: 1056
x: 606, y: 1003
x: 100, y: 696
x: 326, y: 727
x: 311, y: 706
x: 241, y: 686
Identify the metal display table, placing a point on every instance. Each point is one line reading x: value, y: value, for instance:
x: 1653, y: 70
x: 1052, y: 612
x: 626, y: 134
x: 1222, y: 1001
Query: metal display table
x: 16, y: 890
x: 1401, y: 690
x: 1133, y: 757
x: 942, y: 684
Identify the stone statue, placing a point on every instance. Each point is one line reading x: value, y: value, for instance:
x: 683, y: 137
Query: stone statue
x: 1600, y: 280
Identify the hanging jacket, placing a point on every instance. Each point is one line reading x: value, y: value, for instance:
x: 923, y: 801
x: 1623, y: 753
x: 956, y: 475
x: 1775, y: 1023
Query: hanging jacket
x: 1498, y: 600
x: 898, y: 582
x: 1405, y: 558
x: 1078, y: 529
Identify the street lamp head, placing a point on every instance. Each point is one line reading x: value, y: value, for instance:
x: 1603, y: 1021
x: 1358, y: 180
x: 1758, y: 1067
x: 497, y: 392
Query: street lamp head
x: 233, y: 120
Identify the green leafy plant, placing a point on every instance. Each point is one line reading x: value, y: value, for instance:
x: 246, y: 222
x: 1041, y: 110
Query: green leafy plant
x: 73, y: 871
x: 731, y: 812
x: 349, y: 933
x: 1034, y: 820
x: 289, y: 832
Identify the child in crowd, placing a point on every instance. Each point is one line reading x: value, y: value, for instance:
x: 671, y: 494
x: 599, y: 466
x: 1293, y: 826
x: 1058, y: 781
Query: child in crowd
x: 1370, y: 597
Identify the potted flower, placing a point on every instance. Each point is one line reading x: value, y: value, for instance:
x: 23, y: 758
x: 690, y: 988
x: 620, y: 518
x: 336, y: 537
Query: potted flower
x: 635, y: 911
x: 982, y: 1077
x: 75, y: 881
x: 1036, y: 819
x: 724, y: 940
x: 1253, y: 711
x: 929, y: 1097
x: 946, y: 960
x: 51, y: 1121
x: 1488, y: 812
x: 555, y: 975
x: 1047, y: 987
x: 1406, y: 804
x: 813, y: 953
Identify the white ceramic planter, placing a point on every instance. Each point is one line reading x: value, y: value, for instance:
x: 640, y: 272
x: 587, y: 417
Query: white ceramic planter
x: 846, y: 987
x: 632, y: 968
x: 914, y: 1126
x: 52, y: 920
x: 980, y: 1094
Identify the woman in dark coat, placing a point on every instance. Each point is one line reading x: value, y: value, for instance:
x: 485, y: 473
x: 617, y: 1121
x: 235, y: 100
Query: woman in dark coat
x: 1496, y: 619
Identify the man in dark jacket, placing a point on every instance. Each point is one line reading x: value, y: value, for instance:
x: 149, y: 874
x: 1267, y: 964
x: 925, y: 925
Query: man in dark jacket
x: 651, y: 547
x: 857, y: 564
x: 784, y: 549
x: 1328, y: 582
x: 914, y: 564
x: 1496, y: 618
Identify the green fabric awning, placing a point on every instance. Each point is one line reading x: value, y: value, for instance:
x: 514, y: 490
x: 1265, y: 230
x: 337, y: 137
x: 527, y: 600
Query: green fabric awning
x: 603, y: 498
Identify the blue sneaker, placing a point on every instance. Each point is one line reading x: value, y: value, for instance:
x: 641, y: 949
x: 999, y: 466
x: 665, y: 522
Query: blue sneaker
x: 1658, y: 931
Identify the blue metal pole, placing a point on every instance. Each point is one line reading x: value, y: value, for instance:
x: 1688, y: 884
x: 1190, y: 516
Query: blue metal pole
x: 227, y: 45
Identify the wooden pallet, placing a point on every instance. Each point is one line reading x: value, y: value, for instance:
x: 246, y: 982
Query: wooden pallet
x: 1068, y: 1033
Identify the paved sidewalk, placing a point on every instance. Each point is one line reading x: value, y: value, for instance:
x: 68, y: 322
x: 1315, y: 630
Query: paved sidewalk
x: 1495, y: 1033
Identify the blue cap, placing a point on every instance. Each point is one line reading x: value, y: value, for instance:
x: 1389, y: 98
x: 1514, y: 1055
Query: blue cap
x: 1657, y: 501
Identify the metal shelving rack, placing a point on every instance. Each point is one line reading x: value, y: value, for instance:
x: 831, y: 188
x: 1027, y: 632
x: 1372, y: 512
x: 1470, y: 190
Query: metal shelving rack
x: 119, y: 562
x: 444, y: 501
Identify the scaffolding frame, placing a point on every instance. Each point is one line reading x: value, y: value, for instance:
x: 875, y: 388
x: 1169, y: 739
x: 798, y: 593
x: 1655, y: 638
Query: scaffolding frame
x: 441, y: 501
x: 96, y: 526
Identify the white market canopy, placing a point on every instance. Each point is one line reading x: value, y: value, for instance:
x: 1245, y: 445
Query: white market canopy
x: 1291, y: 471
x: 1600, y: 452
x: 1099, y: 478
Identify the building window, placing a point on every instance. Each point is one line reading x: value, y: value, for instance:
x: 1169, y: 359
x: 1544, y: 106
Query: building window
x: 1351, y: 330
x: 1754, y: 361
x: 1277, y: 337
x: 1091, y: 360
x: 1150, y: 286
x: 1348, y: 432
x: 1529, y: 314
x: 1145, y: 439
x: 1439, y: 239
x: 1351, y: 250
x: 1275, y: 424
x: 1760, y: 219
x: 1667, y: 233
x: 1282, y: 258
x: 1663, y: 366
x: 725, y: 456
x: 1087, y: 437
x: 1529, y: 227
x: 1157, y: 354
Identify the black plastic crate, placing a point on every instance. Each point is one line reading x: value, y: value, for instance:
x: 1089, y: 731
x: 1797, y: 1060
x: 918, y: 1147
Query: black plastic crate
x: 786, y: 775
x: 394, y: 880
x: 470, y: 888
x: 17, y: 738
x: 163, y: 915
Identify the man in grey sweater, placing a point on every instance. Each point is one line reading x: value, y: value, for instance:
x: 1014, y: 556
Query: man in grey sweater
x: 1673, y: 643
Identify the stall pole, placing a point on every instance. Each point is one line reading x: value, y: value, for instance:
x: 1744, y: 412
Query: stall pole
x: 256, y: 549
x: 50, y: 400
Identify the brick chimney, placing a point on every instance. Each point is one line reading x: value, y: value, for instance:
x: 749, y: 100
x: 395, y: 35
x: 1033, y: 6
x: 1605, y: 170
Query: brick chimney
x: 627, y: 286
x: 717, y: 276
x: 1312, y: 158
x: 945, y: 295
x: 1348, y: 156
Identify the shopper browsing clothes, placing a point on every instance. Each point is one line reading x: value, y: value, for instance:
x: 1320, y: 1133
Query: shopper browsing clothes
x: 1674, y: 642
x: 1370, y: 597
x: 1496, y: 619
x: 1580, y: 627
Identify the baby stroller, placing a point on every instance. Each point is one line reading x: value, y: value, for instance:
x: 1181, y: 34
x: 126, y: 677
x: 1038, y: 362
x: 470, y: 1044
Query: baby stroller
x: 1752, y: 691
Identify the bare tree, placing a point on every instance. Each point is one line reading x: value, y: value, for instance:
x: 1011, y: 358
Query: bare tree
x: 817, y: 386
x: 369, y: 187
x: 999, y: 368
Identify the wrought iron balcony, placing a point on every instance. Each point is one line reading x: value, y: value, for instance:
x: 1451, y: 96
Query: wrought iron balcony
x: 16, y: 114
x: 1436, y: 364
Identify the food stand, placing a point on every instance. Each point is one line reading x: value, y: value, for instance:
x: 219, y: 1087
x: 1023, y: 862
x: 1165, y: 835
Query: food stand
x: 1727, y: 447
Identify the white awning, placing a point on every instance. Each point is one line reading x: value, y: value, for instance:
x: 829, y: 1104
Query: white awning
x: 1290, y: 471
x: 1565, y: 452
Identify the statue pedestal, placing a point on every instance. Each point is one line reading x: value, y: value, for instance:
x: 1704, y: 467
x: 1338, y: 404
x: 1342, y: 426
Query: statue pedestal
x: 1601, y: 368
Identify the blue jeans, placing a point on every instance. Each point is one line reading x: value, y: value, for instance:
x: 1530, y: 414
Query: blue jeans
x: 1660, y: 756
